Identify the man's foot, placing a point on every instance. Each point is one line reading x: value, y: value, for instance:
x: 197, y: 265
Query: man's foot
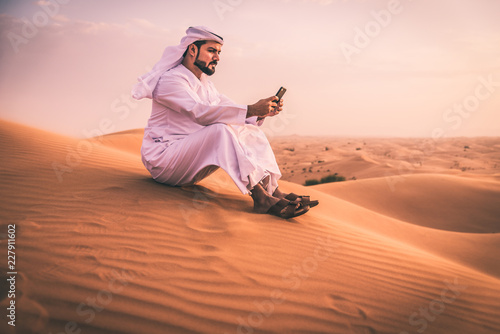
x: 278, y: 194
x: 262, y: 205
x: 265, y: 203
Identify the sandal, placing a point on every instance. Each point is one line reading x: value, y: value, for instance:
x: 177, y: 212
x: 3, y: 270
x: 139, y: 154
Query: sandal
x: 288, y: 209
x: 306, y: 200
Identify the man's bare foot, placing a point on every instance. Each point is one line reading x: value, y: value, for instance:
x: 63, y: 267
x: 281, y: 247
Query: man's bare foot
x: 278, y: 194
x: 262, y: 201
x: 263, y: 204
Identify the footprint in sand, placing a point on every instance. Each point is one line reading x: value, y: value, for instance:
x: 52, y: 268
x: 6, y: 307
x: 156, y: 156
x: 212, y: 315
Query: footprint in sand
x: 80, y: 265
x: 355, y: 317
x: 91, y: 228
x: 35, y: 316
x: 208, y: 248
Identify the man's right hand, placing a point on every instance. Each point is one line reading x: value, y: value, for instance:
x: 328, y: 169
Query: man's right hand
x: 262, y: 108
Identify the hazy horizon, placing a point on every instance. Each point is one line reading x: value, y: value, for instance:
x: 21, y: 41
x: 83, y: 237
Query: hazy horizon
x: 352, y: 68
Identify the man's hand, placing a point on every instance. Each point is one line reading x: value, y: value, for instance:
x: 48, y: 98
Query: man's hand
x: 265, y: 107
x: 277, y: 109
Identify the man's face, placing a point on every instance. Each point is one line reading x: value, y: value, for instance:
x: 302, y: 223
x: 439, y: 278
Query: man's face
x: 207, y: 57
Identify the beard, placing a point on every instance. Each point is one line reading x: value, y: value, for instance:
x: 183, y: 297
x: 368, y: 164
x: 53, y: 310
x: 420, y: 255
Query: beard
x: 204, y: 67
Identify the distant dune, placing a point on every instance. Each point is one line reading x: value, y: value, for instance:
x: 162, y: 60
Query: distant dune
x: 305, y: 158
x: 411, y: 246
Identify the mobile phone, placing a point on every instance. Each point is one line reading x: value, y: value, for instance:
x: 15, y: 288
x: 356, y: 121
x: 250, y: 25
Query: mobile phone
x: 280, y: 93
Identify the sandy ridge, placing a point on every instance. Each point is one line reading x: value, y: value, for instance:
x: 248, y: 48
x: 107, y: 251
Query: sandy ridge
x: 197, y: 260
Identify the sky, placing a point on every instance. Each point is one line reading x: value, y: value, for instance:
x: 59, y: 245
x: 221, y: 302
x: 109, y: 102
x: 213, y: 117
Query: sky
x: 357, y: 68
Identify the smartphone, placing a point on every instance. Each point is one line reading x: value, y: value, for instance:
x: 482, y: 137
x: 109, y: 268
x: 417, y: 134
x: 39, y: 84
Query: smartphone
x: 280, y: 93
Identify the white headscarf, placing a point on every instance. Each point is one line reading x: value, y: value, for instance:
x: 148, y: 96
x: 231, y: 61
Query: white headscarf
x: 172, y: 56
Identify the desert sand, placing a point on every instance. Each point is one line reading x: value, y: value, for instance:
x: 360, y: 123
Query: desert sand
x: 408, y: 244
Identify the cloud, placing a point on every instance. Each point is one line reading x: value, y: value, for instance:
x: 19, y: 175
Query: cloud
x: 20, y: 33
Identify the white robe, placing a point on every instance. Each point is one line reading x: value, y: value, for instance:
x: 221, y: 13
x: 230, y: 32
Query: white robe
x: 193, y: 130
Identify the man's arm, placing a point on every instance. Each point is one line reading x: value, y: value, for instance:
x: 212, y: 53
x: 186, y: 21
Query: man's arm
x: 261, y: 109
x: 179, y: 97
x: 249, y: 120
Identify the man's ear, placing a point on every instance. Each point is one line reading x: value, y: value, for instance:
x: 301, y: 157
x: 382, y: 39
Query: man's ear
x: 192, y: 50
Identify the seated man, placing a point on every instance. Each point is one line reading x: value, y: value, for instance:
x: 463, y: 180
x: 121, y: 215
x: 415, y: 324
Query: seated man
x: 194, y: 130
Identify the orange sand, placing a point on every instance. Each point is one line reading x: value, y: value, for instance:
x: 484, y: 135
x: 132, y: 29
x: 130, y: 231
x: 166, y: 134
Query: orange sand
x: 411, y: 246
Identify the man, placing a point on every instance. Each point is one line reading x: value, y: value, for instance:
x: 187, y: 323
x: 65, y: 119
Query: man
x: 194, y: 130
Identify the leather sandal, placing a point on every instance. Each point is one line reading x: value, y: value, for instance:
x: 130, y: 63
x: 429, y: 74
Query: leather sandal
x: 306, y: 200
x: 288, y: 209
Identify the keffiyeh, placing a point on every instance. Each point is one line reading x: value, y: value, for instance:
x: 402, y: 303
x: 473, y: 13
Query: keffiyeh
x: 172, y: 56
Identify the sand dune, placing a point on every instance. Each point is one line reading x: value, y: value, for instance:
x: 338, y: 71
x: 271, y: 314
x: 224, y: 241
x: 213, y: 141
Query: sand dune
x: 102, y: 248
x: 436, y: 201
x: 446, y: 215
x: 128, y: 141
x: 304, y: 158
